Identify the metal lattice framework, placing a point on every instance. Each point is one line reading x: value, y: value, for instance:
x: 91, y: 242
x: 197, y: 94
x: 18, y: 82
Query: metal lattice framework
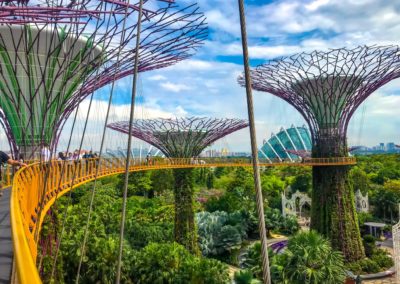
x: 327, y: 87
x: 53, y: 54
x: 181, y: 137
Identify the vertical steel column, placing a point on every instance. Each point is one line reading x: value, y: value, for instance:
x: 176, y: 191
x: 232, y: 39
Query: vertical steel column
x: 132, y: 112
x: 254, y: 151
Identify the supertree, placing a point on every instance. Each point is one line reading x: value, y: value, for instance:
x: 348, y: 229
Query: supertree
x: 326, y: 88
x: 182, y: 138
x: 56, y: 53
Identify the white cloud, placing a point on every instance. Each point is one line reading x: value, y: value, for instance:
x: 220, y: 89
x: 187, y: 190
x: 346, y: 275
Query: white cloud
x: 157, y: 78
x: 192, y: 65
x: 174, y: 87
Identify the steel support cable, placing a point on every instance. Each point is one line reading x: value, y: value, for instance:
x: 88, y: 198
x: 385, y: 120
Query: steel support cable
x: 68, y: 58
x: 65, y: 210
x: 48, y: 168
x: 73, y: 125
x: 254, y: 150
x: 72, y: 182
x: 101, y: 147
x: 65, y: 162
x: 132, y: 112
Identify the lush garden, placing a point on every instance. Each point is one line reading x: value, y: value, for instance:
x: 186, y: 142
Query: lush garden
x: 226, y: 228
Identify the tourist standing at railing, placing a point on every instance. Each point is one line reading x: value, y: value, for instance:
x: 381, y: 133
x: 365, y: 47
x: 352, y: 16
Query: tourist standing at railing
x: 45, y: 154
x: 61, y: 156
x: 5, y: 159
x: 147, y: 159
x: 76, y: 155
x: 87, y: 157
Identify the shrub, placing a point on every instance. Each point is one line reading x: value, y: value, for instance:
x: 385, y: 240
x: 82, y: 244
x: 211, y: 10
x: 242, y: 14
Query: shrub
x: 276, y: 222
x: 172, y: 263
x: 369, y: 266
x: 364, y: 217
x: 378, y: 261
x: 309, y: 258
x: 354, y: 267
x: 220, y: 233
x: 252, y: 259
x: 369, y: 245
x: 209, y: 271
x: 382, y: 259
x: 245, y: 277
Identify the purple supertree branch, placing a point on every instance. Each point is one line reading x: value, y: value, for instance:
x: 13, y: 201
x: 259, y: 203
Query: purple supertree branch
x: 180, y: 137
x: 163, y: 50
x: 22, y: 12
x: 169, y: 35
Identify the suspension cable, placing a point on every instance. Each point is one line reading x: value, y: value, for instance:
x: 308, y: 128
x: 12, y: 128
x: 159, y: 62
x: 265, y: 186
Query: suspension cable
x: 101, y: 149
x: 64, y: 163
x: 47, y: 169
x: 135, y: 72
x: 254, y: 150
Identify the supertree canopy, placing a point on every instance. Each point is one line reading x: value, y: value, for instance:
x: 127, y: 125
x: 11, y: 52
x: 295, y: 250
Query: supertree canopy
x: 180, y: 137
x: 326, y: 88
x: 53, y: 54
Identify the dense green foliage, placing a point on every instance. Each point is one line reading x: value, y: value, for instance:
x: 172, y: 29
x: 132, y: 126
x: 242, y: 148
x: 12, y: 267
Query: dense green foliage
x: 379, y: 175
x: 276, y: 222
x: 223, y: 203
x: 308, y: 258
x: 221, y: 234
x: 245, y: 277
x: 172, y: 263
x: 149, y: 225
x: 377, y: 259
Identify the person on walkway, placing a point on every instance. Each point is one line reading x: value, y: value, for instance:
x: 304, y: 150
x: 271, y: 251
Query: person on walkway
x: 4, y: 158
x: 45, y: 154
x: 61, y: 156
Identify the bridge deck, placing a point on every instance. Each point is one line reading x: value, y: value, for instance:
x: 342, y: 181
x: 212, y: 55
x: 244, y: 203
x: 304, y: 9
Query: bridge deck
x: 6, y: 252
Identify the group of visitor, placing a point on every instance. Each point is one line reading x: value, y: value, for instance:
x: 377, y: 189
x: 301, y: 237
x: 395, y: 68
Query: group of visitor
x: 76, y: 155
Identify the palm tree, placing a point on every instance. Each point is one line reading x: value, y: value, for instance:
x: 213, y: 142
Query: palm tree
x: 309, y: 258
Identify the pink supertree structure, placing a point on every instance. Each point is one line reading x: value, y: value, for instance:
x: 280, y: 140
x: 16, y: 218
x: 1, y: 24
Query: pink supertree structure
x: 327, y: 87
x: 56, y: 53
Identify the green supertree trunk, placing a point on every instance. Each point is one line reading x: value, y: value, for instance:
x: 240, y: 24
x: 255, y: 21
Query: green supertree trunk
x: 185, y: 227
x: 333, y: 212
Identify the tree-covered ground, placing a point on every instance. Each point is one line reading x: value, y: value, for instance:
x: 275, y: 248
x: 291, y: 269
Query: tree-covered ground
x: 226, y: 225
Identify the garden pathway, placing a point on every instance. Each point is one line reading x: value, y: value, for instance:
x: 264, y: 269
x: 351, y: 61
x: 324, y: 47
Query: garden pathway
x: 6, y: 252
x: 388, y: 280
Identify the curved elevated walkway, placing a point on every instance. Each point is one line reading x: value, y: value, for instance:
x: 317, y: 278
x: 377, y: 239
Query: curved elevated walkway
x: 36, y: 187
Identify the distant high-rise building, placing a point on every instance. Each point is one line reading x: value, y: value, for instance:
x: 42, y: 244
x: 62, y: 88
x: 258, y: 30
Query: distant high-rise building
x: 390, y: 147
x: 382, y: 146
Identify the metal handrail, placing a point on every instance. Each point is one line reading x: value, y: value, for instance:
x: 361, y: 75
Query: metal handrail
x: 36, y: 187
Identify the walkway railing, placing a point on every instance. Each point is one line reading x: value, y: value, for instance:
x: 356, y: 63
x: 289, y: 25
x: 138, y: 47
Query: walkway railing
x: 36, y: 187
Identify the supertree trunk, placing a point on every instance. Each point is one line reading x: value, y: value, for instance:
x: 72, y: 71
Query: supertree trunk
x: 333, y: 212
x: 185, y: 228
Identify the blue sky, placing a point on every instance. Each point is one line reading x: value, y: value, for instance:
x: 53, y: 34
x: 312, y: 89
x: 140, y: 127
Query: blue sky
x: 205, y: 85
